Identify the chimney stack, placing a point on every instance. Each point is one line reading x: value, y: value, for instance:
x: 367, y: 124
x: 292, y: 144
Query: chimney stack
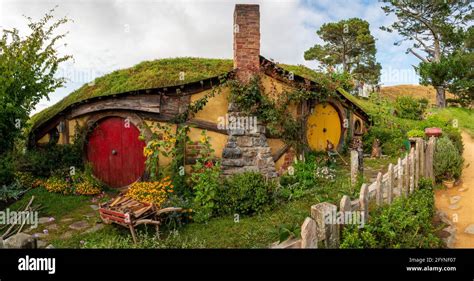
x: 246, y: 41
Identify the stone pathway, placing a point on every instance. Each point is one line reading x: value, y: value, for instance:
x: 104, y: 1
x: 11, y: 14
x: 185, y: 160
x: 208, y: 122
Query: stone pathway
x: 458, y: 202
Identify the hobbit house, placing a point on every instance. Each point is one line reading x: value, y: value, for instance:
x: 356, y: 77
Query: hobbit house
x: 118, y: 108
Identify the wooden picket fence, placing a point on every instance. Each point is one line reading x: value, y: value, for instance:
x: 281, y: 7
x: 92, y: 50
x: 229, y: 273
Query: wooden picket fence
x: 401, y: 179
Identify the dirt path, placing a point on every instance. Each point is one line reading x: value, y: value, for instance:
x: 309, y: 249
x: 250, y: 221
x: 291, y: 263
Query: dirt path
x: 463, y: 209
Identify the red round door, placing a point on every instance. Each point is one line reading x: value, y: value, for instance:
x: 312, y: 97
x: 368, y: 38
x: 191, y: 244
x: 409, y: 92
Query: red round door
x: 115, y: 152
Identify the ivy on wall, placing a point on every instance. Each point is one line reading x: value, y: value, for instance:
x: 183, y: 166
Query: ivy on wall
x: 274, y: 112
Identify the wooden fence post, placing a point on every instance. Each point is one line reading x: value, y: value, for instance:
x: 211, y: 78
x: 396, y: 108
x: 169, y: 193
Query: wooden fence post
x: 364, y: 201
x: 378, y: 190
x: 429, y: 159
x: 354, y: 166
x: 406, y: 176
x: 324, y: 214
x: 344, y: 207
x: 400, y: 177
x: 309, y: 237
x: 389, y: 185
x: 417, y: 163
x: 412, y: 170
x: 422, y: 158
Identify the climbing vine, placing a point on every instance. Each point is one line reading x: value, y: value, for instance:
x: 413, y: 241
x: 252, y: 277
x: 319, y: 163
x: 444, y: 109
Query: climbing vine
x: 275, y: 112
x: 199, y: 104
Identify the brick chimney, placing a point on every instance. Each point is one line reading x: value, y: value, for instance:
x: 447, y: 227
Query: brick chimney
x: 246, y: 41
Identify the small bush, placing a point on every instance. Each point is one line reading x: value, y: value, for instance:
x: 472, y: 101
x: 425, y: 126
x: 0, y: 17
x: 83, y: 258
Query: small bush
x: 391, y: 139
x: 85, y: 183
x: 26, y: 180
x: 415, y: 133
x: 205, y: 185
x: 247, y: 193
x: 6, y: 170
x: 410, y: 108
x: 455, y: 136
x: 51, y: 160
x: 205, y: 181
x: 447, y: 161
x: 11, y: 191
x: 313, y: 172
x: 407, y: 223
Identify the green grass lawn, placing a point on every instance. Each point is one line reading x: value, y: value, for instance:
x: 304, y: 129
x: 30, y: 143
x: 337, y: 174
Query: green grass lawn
x: 257, y: 231
x: 65, y: 209
x: 464, y: 116
x: 52, y: 204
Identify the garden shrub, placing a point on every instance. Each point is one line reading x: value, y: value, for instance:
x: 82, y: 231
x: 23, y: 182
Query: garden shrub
x: 293, y: 186
x: 6, y: 169
x: 455, y: 137
x: 435, y: 120
x: 205, y: 181
x: 246, y: 193
x: 313, y: 172
x: 26, y: 179
x: 68, y: 182
x: 52, y: 159
x: 85, y: 183
x: 151, y: 192
x: 410, y: 108
x: 415, y: 133
x: 391, y: 139
x: 447, y: 161
x: 290, y: 188
x: 406, y: 223
x: 12, y: 191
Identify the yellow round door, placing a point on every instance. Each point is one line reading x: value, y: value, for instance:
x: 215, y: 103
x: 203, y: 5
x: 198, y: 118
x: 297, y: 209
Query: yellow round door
x: 322, y: 125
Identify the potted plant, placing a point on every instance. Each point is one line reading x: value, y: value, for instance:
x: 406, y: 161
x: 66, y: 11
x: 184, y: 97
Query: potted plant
x: 447, y: 162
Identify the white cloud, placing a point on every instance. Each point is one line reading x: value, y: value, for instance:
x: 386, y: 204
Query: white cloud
x: 108, y: 35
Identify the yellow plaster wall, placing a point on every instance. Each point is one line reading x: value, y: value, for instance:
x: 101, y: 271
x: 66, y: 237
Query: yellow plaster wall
x: 274, y: 88
x: 72, y: 124
x: 218, y: 141
x: 216, y: 106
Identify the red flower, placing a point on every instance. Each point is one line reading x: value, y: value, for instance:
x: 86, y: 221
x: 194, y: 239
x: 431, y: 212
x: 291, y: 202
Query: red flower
x: 209, y: 164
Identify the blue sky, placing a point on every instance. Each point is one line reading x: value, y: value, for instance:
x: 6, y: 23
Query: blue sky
x: 113, y: 34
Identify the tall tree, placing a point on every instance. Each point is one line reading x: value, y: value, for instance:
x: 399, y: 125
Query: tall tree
x: 347, y: 44
x: 435, y: 27
x: 28, y: 68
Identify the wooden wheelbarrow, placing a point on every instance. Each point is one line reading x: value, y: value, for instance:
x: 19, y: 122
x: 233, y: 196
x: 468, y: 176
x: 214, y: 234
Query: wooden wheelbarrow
x: 131, y: 213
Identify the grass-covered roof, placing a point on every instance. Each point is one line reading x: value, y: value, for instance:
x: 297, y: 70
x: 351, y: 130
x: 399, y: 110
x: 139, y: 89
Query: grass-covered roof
x: 157, y: 74
x: 315, y: 76
x: 145, y: 75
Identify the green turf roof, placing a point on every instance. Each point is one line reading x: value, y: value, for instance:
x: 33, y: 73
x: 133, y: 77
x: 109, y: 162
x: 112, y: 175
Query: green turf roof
x: 145, y: 75
x: 315, y: 76
x: 156, y: 74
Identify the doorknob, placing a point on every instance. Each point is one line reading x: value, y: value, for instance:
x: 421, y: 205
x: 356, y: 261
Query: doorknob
x: 114, y: 152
